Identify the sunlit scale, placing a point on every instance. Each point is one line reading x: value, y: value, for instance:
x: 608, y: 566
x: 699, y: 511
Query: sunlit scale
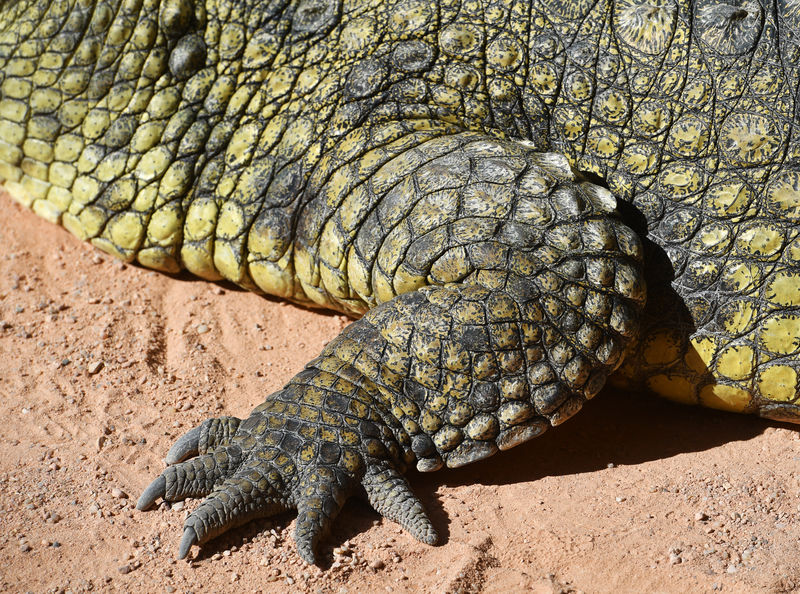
x: 522, y: 200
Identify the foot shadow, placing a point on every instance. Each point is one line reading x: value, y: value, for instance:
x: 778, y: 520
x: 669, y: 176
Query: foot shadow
x: 615, y: 428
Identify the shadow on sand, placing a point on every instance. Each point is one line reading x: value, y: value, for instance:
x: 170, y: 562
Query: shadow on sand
x: 613, y: 428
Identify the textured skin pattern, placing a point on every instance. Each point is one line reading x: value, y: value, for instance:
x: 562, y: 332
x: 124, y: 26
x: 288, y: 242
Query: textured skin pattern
x: 385, y: 158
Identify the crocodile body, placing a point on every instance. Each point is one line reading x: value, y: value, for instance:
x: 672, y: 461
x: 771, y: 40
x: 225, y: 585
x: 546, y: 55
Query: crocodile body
x: 522, y: 199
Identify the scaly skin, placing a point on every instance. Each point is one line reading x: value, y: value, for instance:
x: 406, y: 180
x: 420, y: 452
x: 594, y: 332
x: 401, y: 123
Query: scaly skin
x: 385, y: 159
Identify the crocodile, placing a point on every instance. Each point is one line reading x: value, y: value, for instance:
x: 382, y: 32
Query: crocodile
x: 519, y: 201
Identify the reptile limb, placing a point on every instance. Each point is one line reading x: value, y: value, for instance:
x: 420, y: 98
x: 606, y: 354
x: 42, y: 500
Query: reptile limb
x: 531, y: 317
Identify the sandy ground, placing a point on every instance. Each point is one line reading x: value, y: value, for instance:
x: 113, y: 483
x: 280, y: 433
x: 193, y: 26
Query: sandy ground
x: 103, y: 365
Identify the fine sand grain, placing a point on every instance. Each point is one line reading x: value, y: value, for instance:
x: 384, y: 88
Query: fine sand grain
x: 103, y: 365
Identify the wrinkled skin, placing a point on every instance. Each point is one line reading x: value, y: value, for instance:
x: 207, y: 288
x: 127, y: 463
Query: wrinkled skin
x: 521, y: 199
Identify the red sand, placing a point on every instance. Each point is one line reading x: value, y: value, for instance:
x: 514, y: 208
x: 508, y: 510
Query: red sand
x: 102, y: 366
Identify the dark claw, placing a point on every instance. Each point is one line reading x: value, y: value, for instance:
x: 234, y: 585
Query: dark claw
x: 158, y: 488
x: 391, y: 496
x: 186, y: 446
x: 306, y: 552
x: 187, y: 540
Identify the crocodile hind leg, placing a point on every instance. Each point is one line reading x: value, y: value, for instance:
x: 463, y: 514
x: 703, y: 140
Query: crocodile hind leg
x: 540, y: 294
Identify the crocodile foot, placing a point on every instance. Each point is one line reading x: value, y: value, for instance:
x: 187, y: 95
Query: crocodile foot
x: 245, y: 475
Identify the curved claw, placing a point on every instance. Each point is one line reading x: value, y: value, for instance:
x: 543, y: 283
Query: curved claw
x: 306, y: 544
x: 391, y: 496
x: 249, y: 494
x: 187, y: 540
x: 209, y: 435
x: 186, y: 446
x: 158, y: 488
x: 324, y: 491
x: 192, y: 478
